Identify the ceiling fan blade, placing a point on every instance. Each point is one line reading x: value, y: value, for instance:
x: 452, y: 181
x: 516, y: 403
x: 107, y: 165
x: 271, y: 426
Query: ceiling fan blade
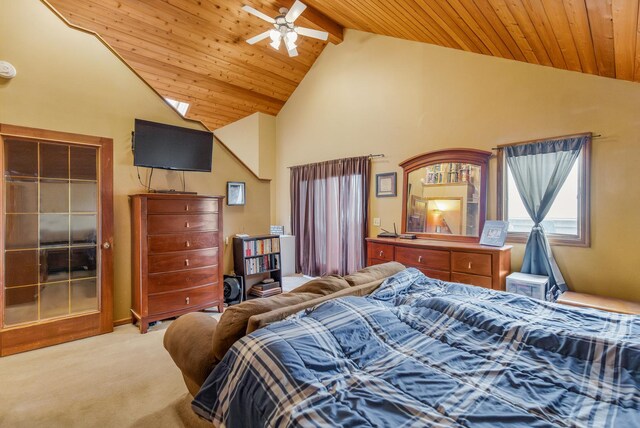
x: 292, y: 52
x: 258, y: 14
x: 291, y: 48
x: 295, y: 11
x: 322, y: 35
x: 259, y: 37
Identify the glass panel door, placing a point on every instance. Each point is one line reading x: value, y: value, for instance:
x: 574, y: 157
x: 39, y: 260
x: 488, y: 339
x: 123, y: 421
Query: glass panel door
x: 51, y: 257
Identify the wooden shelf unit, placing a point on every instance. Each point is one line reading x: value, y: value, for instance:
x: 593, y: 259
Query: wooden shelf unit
x: 256, y: 258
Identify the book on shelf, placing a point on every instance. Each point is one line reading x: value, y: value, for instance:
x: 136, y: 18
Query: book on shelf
x: 265, y: 263
x: 265, y: 287
x: 446, y: 173
x: 265, y: 293
x: 259, y: 247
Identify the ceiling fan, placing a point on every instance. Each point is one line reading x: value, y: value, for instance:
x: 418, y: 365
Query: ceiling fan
x: 284, y: 28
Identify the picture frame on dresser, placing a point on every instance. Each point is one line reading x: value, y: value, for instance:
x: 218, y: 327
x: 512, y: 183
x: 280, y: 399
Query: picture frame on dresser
x: 494, y: 233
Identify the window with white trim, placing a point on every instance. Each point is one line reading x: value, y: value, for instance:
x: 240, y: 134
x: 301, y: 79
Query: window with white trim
x: 181, y: 106
x: 567, y: 222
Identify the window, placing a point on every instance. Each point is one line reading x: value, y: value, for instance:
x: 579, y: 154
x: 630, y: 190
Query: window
x: 181, y: 106
x: 567, y: 222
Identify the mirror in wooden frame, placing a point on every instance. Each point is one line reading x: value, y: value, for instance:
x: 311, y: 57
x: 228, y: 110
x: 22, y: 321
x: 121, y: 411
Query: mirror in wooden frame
x: 445, y: 194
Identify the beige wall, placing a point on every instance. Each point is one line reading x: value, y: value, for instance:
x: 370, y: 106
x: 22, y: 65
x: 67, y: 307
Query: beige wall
x: 253, y: 140
x: 243, y: 138
x: 268, y: 157
x: 375, y: 94
x: 69, y: 81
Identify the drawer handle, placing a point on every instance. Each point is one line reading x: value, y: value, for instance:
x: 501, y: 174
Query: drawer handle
x: 186, y: 207
x: 469, y: 265
x: 381, y: 253
x: 186, y: 300
x: 186, y: 224
x: 419, y: 259
x: 187, y: 244
x: 186, y: 262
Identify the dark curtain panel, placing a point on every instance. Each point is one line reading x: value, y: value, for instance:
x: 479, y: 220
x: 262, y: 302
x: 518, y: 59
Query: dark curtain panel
x: 329, y: 207
x: 539, y: 171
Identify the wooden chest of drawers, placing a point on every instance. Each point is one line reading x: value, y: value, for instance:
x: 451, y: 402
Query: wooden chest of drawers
x: 176, y: 255
x: 473, y: 264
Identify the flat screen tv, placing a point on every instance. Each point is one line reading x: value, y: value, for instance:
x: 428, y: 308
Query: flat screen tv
x: 156, y: 145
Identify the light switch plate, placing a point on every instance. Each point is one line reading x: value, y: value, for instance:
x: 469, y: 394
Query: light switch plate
x: 376, y: 221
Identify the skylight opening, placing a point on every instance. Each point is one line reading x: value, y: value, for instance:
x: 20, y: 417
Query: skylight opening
x: 181, y: 106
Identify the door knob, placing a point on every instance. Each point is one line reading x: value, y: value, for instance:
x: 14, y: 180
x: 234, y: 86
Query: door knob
x: 106, y: 245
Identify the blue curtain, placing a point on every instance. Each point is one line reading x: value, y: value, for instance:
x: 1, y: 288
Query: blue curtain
x: 539, y: 170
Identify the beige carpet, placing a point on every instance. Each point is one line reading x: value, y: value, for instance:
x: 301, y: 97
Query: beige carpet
x: 121, y: 379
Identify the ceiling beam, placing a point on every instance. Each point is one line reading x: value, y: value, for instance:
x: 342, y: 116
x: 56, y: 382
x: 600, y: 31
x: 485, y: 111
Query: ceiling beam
x: 335, y: 30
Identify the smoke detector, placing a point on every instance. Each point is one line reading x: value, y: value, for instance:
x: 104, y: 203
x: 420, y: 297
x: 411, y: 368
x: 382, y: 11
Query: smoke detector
x: 7, y: 70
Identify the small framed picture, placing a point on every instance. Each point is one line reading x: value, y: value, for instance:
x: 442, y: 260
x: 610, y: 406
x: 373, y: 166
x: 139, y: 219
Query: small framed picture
x: 386, y: 184
x: 494, y: 233
x: 235, y: 193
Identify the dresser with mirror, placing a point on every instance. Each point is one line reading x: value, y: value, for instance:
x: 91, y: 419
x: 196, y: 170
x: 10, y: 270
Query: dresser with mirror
x: 444, y: 204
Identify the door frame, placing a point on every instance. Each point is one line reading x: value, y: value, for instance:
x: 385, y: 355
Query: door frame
x: 51, y: 332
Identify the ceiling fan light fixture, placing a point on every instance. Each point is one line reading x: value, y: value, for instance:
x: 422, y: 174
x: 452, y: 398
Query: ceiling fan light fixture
x: 291, y: 45
x: 274, y: 35
x: 284, y: 29
x: 292, y: 36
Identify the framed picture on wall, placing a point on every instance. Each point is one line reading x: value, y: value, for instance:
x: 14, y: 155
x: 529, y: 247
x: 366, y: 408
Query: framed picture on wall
x: 235, y: 193
x: 386, y: 184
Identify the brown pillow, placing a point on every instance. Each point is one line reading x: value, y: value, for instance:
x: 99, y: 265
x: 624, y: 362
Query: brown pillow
x: 264, y: 319
x: 374, y: 273
x: 323, y: 286
x: 233, y: 322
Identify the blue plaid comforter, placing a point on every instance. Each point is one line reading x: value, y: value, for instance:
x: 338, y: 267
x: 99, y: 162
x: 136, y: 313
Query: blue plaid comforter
x: 421, y: 352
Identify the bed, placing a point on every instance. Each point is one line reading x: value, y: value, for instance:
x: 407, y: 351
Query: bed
x: 422, y: 352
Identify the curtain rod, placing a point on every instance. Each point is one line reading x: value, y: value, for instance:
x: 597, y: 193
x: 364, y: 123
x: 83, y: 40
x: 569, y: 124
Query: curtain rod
x: 502, y: 146
x: 370, y: 156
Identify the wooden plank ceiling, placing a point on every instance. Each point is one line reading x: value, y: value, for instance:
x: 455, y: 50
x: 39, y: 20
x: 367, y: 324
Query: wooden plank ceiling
x: 194, y: 50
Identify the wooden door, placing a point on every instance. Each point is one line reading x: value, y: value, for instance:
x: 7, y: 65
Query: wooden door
x: 56, y: 237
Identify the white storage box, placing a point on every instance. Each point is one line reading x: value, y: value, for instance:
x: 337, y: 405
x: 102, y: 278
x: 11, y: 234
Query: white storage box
x: 535, y: 286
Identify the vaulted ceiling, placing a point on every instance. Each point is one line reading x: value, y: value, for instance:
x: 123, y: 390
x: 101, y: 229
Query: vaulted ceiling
x: 195, y: 50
